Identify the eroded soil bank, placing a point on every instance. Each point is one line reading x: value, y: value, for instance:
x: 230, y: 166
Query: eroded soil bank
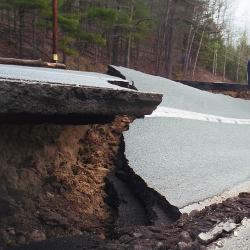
x: 71, y: 187
x: 68, y: 181
x: 53, y: 180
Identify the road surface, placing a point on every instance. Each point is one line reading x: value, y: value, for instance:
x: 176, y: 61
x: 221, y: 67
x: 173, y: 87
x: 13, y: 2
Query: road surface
x: 59, y: 76
x: 194, y: 146
x: 39, y: 95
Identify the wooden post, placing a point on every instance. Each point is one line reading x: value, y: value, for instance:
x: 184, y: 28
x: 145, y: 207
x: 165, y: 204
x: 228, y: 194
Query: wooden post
x: 55, y: 31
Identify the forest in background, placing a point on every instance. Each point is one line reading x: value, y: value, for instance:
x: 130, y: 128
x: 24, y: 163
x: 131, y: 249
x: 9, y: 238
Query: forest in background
x: 171, y: 38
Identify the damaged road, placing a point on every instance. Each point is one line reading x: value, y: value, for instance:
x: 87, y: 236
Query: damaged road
x: 195, y: 144
x: 137, y: 204
x: 133, y: 213
x: 184, y: 234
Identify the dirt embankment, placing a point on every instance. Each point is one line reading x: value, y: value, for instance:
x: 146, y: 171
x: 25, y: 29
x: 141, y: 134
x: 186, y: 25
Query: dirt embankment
x: 53, y: 179
x: 235, y: 94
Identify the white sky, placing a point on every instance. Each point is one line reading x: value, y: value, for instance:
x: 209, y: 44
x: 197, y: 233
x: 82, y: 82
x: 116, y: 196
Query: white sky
x: 241, y: 15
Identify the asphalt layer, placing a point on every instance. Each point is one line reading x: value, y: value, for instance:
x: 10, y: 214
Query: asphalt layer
x: 180, y: 96
x: 188, y: 160
x: 59, y: 76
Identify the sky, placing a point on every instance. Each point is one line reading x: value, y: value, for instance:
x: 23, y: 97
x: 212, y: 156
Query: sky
x: 240, y: 15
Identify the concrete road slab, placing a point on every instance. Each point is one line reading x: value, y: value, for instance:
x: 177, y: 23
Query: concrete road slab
x: 194, y: 146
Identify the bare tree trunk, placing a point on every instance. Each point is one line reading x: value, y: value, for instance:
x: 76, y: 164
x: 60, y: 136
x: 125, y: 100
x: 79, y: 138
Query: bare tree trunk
x: 170, y: 39
x: 189, y: 59
x: 225, y: 65
x: 187, y: 53
x: 225, y: 57
x: 128, y: 56
x: 129, y: 51
x: 21, y: 26
x: 160, y: 45
x: 9, y: 27
x: 34, y: 40
x: 215, y: 62
x: 198, y: 51
x: 115, y: 46
x: 238, y: 68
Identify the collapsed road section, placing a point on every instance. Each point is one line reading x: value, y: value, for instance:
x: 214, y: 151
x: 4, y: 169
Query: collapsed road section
x: 128, y: 215
x: 58, y: 179
x: 35, y: 95
x: 194, y: 144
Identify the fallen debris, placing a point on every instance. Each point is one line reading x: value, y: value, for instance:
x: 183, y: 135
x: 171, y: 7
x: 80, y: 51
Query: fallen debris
x: 217, y: 232
x: 238, y: 240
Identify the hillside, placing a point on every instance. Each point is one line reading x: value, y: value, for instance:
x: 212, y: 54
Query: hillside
x: 173, y: 39
x: 85, y: 63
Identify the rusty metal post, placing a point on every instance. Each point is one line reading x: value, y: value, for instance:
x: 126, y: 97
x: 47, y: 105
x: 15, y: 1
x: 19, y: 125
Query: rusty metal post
x: 55, y: 31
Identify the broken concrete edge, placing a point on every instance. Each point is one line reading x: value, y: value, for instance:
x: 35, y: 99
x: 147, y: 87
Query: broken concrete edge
x: 157, y: 209
x: 24, y: 101
x: 217, y: 232
x: 221, y: 242
x: 114, y: 72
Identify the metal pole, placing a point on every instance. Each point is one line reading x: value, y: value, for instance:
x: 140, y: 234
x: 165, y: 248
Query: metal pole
x: 55, y: 30
x: 248, y: 72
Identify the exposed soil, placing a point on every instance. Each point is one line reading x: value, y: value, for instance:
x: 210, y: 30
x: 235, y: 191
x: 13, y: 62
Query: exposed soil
x: 182, y: 235
x: 147, y: 207
x: 236, y: 94
x: 203, y: 75
x: 53, y: 180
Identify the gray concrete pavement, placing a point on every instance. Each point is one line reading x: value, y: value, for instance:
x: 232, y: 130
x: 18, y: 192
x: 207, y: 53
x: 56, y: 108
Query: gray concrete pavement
x: 179, y: 96
x: 38, y: 95
x: 59, y: 76
x: 189, y: 160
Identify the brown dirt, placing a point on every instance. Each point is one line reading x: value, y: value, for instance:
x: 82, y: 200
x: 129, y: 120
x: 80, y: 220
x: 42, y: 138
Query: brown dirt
x: 86, y: 64
x: 182, y: 235
x: 6, y: 50
x: 236, y: 94
x: 169, y: 237
x: 203, y: 75
x: 53, y: 178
